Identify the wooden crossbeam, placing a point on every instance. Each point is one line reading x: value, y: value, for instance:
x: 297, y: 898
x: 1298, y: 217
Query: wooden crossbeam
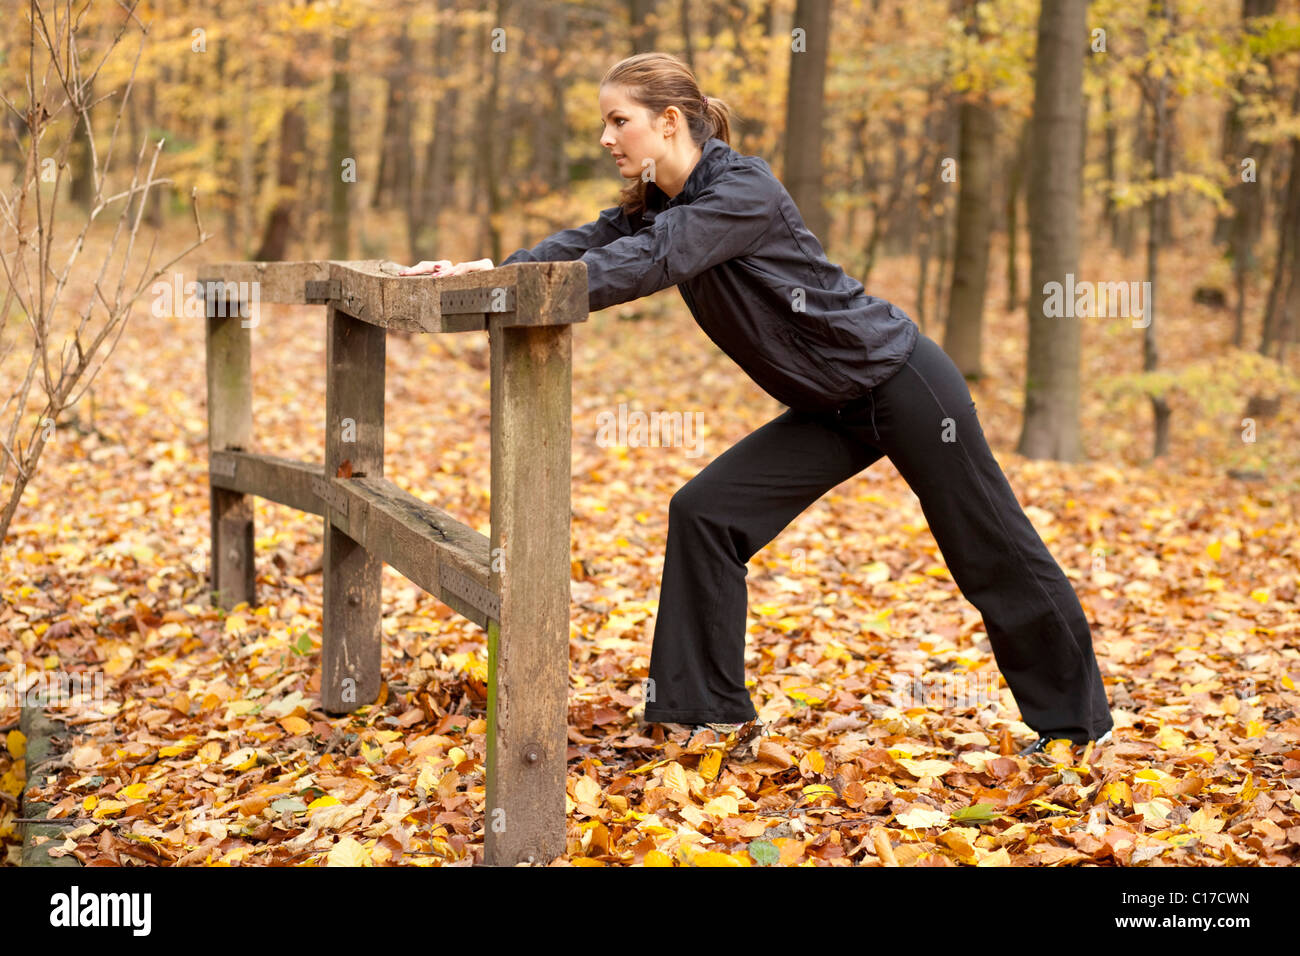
x: 446, y: 557
x: 551, y: 293
x: 282, y: 480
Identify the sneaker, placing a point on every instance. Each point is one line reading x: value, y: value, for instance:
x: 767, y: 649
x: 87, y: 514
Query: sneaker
x: 1040, y: 745
x: 720, y: 728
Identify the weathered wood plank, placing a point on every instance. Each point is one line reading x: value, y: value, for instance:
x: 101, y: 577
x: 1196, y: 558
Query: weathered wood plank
x: 283, y: 480
x: 277, y: 282
x: 354, y: 432
x: 446, y: 557
x: 529, y: 653
x: 520, y: 294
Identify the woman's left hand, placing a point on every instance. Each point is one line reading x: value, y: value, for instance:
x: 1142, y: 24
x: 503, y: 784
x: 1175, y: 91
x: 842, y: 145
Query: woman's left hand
x: 460, y: 268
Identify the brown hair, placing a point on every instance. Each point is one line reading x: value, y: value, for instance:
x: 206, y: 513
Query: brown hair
x: 657, y: 81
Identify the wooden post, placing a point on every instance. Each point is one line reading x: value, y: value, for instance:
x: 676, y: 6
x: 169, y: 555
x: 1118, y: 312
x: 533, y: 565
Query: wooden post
x: 230, y: 427
x: 528, y: 650
x: 354, y: 432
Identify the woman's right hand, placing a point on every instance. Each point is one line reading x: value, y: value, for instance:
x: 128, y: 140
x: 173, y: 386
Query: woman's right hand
x: 427, y: 267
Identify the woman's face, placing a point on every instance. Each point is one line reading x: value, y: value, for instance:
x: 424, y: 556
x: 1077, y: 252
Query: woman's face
x: 629, y: 133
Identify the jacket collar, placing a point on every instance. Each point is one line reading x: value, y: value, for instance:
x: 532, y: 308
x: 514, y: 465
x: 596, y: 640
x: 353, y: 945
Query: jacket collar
x: 713, y: 157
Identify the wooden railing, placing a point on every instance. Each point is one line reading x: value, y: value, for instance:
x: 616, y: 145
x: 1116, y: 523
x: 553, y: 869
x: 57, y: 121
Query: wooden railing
x: 514, y: 583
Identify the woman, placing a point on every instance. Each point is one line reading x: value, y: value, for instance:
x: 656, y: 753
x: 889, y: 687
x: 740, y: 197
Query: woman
x: 860, y: 381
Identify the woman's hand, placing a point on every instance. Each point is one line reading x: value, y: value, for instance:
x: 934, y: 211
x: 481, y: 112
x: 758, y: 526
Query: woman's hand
x: 444, y: 267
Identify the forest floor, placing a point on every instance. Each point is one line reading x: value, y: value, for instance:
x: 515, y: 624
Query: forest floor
x: 210, y: 748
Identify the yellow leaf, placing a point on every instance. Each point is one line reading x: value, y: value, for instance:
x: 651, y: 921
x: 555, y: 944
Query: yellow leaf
x: 657, y: 858
x: 1215, y: 550
x: 586, y: 790
x: 817, y: 762
x: 723, y: 805
x: 647, y: 767
x: 924, y: 768
x: 675, y: 778
x: 325, y: 801
x: 347, y: 852
x: 210, y: 751
x: 1045, y: 805
x: 295, y: 725
x: 118, y: 663
x: 108, y: 808
x: 16, y: 741
x: 245, y: 758
x: 876, y: 572
x: 1260, y: 595
x: 136, y: 791
x: 817, y: 790
x: 710, y: 763
x: 1170, y: 739
x: 921, y: 817
x: 714, y: 858
x: 803, y: 696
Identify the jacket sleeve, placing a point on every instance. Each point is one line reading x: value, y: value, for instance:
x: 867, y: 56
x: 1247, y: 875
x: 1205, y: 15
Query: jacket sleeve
x: 728, y: 219
x: 569, y: 244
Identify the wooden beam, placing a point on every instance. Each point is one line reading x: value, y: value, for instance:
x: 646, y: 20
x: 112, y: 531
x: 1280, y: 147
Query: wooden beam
x: 432, y: 549
x: 520, y: 294
x: 282, y: 480
x: 277, y: 282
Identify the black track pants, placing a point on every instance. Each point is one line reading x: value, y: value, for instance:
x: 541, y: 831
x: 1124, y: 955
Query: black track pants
x: 924, y: 419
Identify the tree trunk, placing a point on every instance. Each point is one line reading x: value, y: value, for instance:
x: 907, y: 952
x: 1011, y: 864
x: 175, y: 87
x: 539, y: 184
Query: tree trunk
x: 688, y: 49
x: 963, y: 332
x: 1051, y: 417
x: 340, y: 150
x: 803, y: 121
x: 1288, y: 245
x: 438, y: 153
x: 1157, y: 227
x: 393, y: 182
x: 644, y: 30
x: 81, y: 188
x: 293, y: 140
x: 488, y: 141
x: 1015, y: 186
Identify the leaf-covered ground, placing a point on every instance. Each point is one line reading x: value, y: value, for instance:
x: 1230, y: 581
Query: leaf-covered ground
x: 211, y: 748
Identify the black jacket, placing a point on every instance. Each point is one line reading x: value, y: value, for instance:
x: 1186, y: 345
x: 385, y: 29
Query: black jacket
x: 756, y: 279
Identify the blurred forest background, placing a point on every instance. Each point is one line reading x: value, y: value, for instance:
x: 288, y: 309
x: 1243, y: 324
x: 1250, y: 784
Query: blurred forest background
x: 955, y: 156
x: 904, y: 130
